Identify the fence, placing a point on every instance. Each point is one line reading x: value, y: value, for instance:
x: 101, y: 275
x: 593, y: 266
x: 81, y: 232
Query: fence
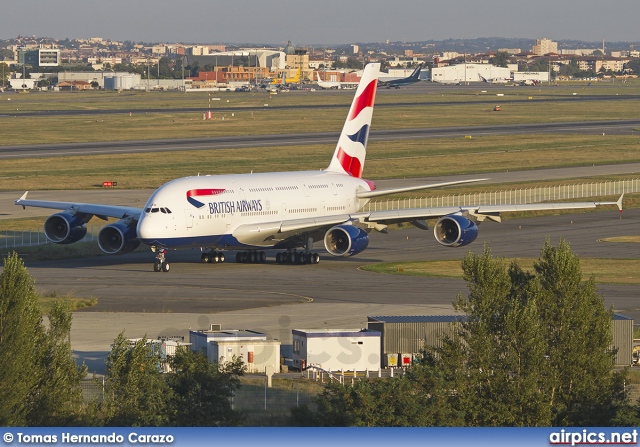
x: 513, y: 196
x: 29, y: 238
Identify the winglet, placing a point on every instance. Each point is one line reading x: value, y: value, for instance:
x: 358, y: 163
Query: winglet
x: 24, y: 197
x: 619, y: 202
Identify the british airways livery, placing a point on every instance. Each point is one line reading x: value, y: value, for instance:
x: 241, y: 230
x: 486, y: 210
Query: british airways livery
x: 287, y: 211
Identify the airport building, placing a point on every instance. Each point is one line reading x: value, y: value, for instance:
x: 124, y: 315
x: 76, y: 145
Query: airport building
x: 402, y: 337
x: 336, y: 349
x: 222, y: 346
x: 531, y: 76
x: 470, y: 73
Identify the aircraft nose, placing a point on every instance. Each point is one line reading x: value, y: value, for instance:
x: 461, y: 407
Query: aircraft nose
x: 144, y: 229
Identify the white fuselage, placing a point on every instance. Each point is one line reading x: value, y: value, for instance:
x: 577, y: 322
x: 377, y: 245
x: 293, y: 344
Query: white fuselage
x: 205, y: 210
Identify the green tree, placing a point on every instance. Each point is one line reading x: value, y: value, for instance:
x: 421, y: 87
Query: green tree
x: 500, y: 59
x: 202, y: 391
x: 495, y: 361
x: 368, y: 403
x: 4, y: 73
x: 21, y: 338
x: 6, y: 53
x: 58, y: 401
x: 136, y: 393
x: 535, y: 349
x: 531, y: 349
x: 571, y: 69
x: 581, y: 386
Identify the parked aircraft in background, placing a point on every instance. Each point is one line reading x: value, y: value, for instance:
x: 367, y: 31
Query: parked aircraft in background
x: 328, y: 84
x: 284, y: 80
x: 414, y: 77
x: 494, y: 80
x: 249, y: 213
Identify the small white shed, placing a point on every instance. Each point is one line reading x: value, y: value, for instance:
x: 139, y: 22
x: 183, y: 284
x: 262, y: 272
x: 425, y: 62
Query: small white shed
x: 336, y: 349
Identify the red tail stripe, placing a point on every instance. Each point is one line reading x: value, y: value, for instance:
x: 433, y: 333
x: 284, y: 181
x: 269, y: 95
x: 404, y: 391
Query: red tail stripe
x: 366, y: 99
x: 350, y: 164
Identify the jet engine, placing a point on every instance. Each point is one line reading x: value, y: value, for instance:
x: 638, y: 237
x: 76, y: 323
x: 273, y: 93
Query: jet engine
x: 64, y: 228
x: 455, y: 230
x: 118, y: 238
x: 345, y: 240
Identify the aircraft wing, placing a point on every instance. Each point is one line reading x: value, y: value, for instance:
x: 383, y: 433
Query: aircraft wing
x: 479, y: 212
x: 267, y: 234
x: 102, y: 211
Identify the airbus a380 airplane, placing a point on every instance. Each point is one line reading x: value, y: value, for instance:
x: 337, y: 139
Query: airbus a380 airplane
x: 283, y: 210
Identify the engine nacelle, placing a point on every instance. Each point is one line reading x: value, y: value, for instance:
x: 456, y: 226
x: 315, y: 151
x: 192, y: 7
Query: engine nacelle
x: 64, y: 228
x: 345, y: 240
x: 118, y: 238
x: 454, y: 230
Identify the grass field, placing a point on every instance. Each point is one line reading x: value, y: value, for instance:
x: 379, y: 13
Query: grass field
x: 394, y: 159
x: 136, y: 100
x: 613, y: 271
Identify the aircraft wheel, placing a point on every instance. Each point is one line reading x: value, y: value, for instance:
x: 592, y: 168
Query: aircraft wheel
x: 279, y: 258
x: 315, y: 258
x: 308, y: 258
x: 157, y: 266
x: 215, y: 258
x: 220, y: 257
x: 263, y: 256
x: 238, y: 258
x: 165, y: 266
x: 203, y: 257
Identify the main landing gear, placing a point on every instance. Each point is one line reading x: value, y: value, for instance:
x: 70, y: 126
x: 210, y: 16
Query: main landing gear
x: 213, y: 257
x: 297, y: 257
x: 251, y: 257
x: 161, y: 264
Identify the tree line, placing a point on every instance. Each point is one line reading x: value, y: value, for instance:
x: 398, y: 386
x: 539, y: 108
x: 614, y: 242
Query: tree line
x: 40, y: 381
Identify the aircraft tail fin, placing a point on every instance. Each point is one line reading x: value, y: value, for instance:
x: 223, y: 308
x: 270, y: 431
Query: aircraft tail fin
x: 351, y: 149
x: 416, y: 72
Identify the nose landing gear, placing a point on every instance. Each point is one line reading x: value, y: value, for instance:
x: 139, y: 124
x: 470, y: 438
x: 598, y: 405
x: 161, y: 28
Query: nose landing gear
x: 161, y: 264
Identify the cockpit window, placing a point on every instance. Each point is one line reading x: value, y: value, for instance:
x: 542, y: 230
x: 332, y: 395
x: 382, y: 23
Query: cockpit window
x: 157, y: 209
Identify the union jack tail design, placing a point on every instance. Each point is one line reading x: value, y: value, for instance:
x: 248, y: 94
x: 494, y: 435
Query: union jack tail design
x: 351, y: 149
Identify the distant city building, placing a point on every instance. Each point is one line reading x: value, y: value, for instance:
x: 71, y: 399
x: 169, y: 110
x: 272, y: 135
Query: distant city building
x: 356, y: 49
x: 579, y: 52
x: 448, y: 55
x: 40, y: 57
x: 198, y: 50
x: 511, y: 51
x: 544, y: 46
x: 159, y: 49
